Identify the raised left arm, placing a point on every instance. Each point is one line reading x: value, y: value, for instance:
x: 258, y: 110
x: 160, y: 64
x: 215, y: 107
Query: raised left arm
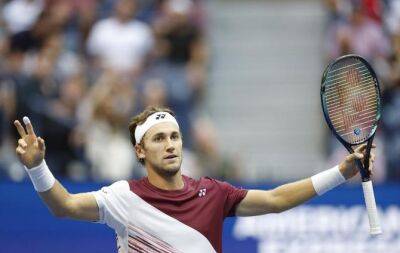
x: 287, y: 196
x: 277, y: 200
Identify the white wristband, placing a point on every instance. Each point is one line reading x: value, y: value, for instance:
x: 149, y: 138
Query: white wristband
x: 41, y: 177
x: 327, y: 180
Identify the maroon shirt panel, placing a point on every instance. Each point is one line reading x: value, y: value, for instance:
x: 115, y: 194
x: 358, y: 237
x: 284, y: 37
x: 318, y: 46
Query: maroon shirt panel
x: 202, y: 210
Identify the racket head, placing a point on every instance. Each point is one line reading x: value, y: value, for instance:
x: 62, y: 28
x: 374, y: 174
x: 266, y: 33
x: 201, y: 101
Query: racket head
x: 351, y: 100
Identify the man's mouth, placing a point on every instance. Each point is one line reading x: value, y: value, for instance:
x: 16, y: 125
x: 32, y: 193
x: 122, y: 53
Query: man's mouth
x: 170, y: 157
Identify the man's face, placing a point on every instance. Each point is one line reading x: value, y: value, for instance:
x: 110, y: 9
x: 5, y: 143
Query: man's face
x: 163, y: 148
x: 125, y: 9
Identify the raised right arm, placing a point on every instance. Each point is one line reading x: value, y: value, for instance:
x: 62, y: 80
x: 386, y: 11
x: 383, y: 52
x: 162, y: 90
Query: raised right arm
x: 31, y: 151
x: 80, y: 206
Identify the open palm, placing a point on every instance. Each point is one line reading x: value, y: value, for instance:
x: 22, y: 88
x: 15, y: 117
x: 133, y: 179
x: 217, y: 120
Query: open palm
x: 31, y: 149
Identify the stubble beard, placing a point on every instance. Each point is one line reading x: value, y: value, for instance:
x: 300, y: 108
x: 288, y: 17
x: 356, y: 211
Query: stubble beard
x: 164, y: 172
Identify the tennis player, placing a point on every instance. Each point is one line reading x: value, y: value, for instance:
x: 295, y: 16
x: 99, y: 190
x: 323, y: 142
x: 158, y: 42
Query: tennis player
x: 167, y: 211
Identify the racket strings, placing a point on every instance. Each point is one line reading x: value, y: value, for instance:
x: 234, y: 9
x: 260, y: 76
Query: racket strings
x: 340, y: 81
x: 351, y: 100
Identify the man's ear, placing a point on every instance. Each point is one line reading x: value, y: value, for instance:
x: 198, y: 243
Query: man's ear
x: 139, y: 151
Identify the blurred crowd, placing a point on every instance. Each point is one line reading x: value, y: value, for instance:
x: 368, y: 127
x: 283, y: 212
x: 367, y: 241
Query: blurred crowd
x: 371, y: 28
x: 82, y: 69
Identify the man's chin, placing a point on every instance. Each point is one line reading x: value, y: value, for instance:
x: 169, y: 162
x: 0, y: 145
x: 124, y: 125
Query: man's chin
x: 172, y: 171
x: 168, y: 170
x: 172, y: 168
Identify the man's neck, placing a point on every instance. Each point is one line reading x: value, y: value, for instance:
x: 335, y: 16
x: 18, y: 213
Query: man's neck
x: 169, y: 183
x: 123, y: 20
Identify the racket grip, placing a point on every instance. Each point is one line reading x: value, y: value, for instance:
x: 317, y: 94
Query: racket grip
x: 374, y: 224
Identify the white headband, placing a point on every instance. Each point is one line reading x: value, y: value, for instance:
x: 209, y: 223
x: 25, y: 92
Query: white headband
x: 152, y: 120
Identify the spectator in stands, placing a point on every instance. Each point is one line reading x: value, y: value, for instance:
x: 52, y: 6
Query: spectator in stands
x: 59, y: 124
x: 361, y: 36
x: 372, y: 26
x: 179, y: 61
x: 46, y: 73
x: 120, y: 42
x: 372, y: 8
x: 209, y: 157
x: 20, y: 15
x: 107, y: 145
x: 7, y: 111
x: 391, y: 115
x: 86, y: 14
x: 392, y: 16
x: 154, y: 93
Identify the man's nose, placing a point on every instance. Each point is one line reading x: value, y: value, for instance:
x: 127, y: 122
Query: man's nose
x: 169, y: 145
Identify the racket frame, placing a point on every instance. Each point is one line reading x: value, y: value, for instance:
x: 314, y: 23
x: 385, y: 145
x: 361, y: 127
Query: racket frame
x: 374, y: 224
x: 365, y: 174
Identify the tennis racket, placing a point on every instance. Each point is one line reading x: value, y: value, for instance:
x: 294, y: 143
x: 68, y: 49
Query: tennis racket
x: 351, y: 103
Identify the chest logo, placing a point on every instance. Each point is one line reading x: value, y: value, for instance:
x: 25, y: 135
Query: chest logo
x: 202, y: 192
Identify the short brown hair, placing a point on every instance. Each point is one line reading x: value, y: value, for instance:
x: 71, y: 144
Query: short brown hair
x: 141, y: 118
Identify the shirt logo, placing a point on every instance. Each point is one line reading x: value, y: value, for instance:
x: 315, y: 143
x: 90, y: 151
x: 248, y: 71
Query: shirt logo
x: 202, y: 192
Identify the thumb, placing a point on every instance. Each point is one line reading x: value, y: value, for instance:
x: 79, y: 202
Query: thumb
x: 41, y: 144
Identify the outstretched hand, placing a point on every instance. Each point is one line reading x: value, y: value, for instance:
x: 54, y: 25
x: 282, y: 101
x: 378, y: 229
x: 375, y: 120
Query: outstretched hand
x: 348, y: 167
x: 31, y: 149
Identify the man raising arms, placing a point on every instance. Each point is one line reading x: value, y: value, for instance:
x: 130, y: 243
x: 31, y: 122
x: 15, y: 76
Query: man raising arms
x: 167, y: 211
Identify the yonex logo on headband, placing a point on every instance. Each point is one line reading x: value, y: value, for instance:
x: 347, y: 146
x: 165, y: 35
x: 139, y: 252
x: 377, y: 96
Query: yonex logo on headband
x: 152, y: 120
x: 160, y: 116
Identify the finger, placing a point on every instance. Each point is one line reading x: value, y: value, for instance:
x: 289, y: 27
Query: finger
x: 19, y: 150
x: 371, y: 162
x: 363, y: 147
x: 371, y: 165
x: 357, y: 156
x: 373, y: 146
x: 360, y: 148
x: 22, y: 143
x: 20, y: 128
x: 372, y: 157
x: 41, y: 144
x: 29, y: 126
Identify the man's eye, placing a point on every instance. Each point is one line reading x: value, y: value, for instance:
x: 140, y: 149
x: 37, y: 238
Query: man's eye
x: 159, y: 138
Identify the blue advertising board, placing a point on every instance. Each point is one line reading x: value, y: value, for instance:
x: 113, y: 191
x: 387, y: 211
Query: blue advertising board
x: 336, y: 222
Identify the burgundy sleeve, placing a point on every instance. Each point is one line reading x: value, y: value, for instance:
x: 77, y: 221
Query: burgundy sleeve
x: 233, y: 196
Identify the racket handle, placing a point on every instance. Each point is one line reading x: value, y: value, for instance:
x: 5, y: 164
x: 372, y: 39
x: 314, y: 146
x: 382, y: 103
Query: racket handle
x: 374, y: 224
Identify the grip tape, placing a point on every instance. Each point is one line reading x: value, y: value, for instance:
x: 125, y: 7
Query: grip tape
x: 374, y: 224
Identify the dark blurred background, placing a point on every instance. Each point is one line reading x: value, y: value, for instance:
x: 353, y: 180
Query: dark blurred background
x: 243, y: 78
